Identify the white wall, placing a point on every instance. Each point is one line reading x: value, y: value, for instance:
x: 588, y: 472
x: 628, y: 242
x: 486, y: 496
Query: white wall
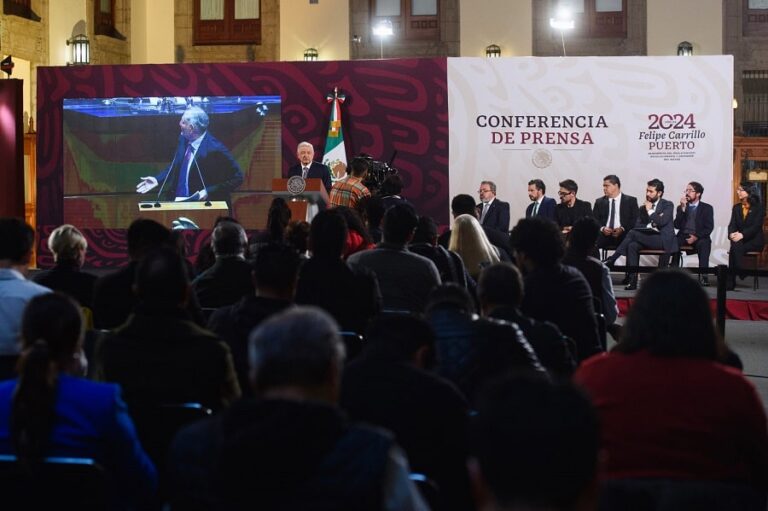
x: 324, y: 26
x: 700, y: 22
x: 152, y: 33
x: 507, y: 23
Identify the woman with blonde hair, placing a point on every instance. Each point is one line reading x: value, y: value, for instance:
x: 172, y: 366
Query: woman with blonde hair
x: 470, y: 242
x: 68, y: 246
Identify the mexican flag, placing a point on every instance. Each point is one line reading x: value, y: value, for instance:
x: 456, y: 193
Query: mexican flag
x: 335, y: 151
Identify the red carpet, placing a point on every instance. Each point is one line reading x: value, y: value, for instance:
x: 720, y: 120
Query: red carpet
x: 746, y: 310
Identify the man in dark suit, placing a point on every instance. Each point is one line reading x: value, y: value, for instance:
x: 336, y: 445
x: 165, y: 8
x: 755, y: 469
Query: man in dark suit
x: 615, y: 212
x: 695, y: 221
x: 309, y: 169
x: 570, y: 208
x: 540, y: 206
x: 492, y: 212
x: 202, y: 167
x: 654, y: 230
x: 464, y: 204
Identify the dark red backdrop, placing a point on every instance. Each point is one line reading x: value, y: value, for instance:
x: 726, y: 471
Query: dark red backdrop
x: 392, y: 105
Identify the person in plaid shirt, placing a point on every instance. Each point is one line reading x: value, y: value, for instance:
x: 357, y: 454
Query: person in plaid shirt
x: 348, y: 191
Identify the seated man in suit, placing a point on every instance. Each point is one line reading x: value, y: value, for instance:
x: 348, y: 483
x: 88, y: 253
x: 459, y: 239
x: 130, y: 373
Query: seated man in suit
x: 309, y: 169
x: 464, y: 204
x: 492, y: 212
x: 540, y: 206
x: 616, y: 213
x: 654, y: 230
x: 570, y: 208
x: 695, y: 221
x: 202, y: 167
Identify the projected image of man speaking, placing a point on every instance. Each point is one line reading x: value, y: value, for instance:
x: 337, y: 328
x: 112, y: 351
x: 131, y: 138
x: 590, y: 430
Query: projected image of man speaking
x: 202, y: 168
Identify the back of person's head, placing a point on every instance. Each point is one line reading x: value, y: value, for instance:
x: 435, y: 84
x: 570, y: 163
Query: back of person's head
x: 450, y: 296
x: 426, y: 231
x: 51, y: 333
x: 359, y: 166
x: 400, y: 338
x: 229, y: 239
x: 145, y: 235
x: 297, y: 235
x: 535, y: 445
x: 327, y: 234
x: 277, y: 218
x: 354, y: 222
x: 299, y: 348
x: 374, y: 210
x: 463, y: 204
x: 18, y: 238
x: 399, y: 224
x: 392, y: 185
x: 469, y: 240
x: 539, y: 240
x: 500, y: 285
x: 276, y: 267
x: 670, y: 317
x: 584, y: 235
x: 161, y: 279
x: 67, y: 243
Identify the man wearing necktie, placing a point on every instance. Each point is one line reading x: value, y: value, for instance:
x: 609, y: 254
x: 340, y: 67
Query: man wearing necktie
x: 541, y: 205
x: 654, y: 230
x: 492, y: 212
x: 695, y: 221
x: 202, y: 167
x: 309, y: 169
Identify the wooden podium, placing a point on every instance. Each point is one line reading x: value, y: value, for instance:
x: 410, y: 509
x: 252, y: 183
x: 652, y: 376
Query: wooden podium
x: 303, y: 205
x: 202, y: 214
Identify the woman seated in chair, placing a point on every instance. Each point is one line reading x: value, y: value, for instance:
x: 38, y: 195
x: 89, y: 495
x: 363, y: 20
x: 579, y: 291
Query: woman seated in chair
x: 668, y: 408
x: 51, y: 411
x: 745, y: 229
x: 469, y: 241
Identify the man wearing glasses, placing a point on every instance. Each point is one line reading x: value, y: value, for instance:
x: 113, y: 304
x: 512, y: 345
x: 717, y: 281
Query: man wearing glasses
x: 492, y: 212
x: 570, y: 208
x: 695, y: 221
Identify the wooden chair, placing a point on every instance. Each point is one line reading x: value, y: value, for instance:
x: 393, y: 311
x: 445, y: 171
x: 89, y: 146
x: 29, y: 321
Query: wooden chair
x: 56, y: 483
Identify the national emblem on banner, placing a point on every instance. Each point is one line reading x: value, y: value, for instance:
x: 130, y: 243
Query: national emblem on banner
x: 335, y: 151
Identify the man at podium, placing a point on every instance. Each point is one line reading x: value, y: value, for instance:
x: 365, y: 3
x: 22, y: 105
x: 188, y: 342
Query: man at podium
x: 309, y: 169
x: 202, y: 168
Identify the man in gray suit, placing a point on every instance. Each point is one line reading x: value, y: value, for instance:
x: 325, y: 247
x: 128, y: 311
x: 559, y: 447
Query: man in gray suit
x: 654, y: 230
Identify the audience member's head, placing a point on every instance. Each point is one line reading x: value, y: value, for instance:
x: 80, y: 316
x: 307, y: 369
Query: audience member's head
x: 670, y: 317
x: 67, y: 244
x: 500, y: 285
x: 392, y: 185
x: 463, y: 204
x: 161, y: 280
x: 359, y: 167
x: 297, y: 235
x: 534, y: 446
x: 229, y: 239
x: 584, y: 234
x: 426, y: 231
x: 468, y: 239
x: 399, y: 224
x: 277, y: 218
x: 327, y: 234
x: 400, y: 338
x: 275, y: 270
x: 18, y: 238
x: 354, y: 222
x: 372, y: 209
x: 145, y: 235
x: 450, y: 296
x: 537, y: 243
x: 297, y: 354
x: 51, y: 333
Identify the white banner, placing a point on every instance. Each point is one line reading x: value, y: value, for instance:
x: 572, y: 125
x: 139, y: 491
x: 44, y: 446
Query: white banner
x: 581, y: 118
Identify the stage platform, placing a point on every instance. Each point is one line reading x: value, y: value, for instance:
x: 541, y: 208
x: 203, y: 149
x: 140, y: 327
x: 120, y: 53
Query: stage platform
x: 743, y: 303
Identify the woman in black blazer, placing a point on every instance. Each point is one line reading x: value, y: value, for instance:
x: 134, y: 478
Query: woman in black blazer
x: 745, y: 229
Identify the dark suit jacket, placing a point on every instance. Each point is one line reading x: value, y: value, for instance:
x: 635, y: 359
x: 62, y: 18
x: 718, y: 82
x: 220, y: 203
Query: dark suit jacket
x: 661, y: 219
x: 704, y: 222
x: 224, y: 283
x: 316, y: 171
x: 628, y: 211
x: 212, y: 161
x: 497, y: 216
x: 66, y: 277
x: 546, y: 209
x: 751, y: 227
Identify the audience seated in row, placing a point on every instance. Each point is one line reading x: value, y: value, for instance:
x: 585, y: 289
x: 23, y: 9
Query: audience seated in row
x: 447, y: 262
x: 464, y: 204
x: 292, y: 448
